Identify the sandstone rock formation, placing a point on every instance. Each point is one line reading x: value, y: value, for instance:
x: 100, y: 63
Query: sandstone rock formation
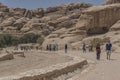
x: 68, y: 23
x: 6, y: 56
x: 101, y: 18
x: 111, y: 2
x: 115, y: 27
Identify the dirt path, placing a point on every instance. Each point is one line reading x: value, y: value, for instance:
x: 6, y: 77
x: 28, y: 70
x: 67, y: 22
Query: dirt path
x: 102, y: 70
x: 33, y: 60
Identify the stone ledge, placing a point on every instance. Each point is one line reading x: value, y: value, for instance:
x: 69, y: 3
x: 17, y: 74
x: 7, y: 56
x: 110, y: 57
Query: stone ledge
x: 5, y: 56
x: 49, y: 72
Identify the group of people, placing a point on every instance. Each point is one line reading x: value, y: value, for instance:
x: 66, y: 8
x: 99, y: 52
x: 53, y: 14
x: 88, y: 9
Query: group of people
x: 90, y: 48
x: 26, y: 48
x: 52, y: 47
x: 108, y: 48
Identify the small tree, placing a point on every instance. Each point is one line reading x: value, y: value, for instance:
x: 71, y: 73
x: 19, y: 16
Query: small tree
x: 95, y: 41
x: 29, y: 38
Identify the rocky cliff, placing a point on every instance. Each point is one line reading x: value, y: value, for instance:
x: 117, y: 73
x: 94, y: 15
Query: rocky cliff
x: 20, y: 20
x: 111, y: 2
x: 101, y: 18
x: 69, y: 23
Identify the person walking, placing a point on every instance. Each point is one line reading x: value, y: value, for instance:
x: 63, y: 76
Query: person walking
x: 98, y: 51
x: 50, y: 47
x: 47, y: 47
x: 66, y: 47
x: 90, y: 48
x: 108, y: 50
x: 84, y: 48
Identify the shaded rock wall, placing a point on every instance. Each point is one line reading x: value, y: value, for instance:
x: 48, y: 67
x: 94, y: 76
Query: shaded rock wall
x: 101, y: 18
x: 111, y: 2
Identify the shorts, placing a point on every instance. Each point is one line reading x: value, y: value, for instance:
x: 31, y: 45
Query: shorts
x: 108, y: 51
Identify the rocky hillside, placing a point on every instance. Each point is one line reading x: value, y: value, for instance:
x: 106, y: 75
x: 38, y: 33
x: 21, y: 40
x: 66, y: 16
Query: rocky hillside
x: 111, y: 2
x: 40, y: 21
x: 69, y: 23
x: 19, y: 21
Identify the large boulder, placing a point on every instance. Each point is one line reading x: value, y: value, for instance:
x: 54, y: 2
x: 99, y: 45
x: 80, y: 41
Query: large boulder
x: 19, y: 23
x: 3, y: 8
x: 96, y: 20
x: 6, y: 56
x: 111, y: 2
x: 39, y: 12
x: 8, y: 22
x: 115, y: 27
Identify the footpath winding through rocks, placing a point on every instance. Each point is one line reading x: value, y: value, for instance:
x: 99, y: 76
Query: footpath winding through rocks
x: 52, y: 71
x: 96, y: 70
x: 101, y: 70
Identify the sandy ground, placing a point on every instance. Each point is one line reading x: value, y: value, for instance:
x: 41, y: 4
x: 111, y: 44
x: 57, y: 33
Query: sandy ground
x: 98, y: 70
x: 33, y: 60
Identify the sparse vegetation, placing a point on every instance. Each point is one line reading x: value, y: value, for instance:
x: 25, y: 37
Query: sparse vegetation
x: 95, y: 41
x: 29, y: 38
x: 9, y: 40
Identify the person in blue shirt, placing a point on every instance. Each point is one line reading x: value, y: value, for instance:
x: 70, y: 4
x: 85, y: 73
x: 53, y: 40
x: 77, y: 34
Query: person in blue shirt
x: 108, y: 50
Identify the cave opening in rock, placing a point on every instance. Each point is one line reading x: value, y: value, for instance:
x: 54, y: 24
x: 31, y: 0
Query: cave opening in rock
x: 97, y: 31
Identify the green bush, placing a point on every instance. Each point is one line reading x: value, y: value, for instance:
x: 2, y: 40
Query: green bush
x: 9, y: 40
x: 29, y: 38
x: 95, y: 41
x: 6, y: 40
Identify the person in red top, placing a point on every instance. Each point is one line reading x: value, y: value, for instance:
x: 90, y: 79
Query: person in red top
x: 98, y: 51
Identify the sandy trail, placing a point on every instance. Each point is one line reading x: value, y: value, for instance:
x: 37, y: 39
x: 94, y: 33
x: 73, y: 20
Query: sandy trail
x: 102, y: 70
x: 33, y: 60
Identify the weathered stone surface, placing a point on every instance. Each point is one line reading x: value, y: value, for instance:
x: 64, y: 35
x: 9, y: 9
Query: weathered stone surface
x: 8, y: 22
x: 6, y: 56
x: 3, y: 8
x: 115, y: 27
x: 100, y: 18
x: 48, y: 73
x: 111, y: 2
x: 61, y: 23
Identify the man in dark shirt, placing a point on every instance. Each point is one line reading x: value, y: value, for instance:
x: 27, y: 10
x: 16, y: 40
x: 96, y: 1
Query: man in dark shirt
x: 84, y: 48
x: 66, y: 47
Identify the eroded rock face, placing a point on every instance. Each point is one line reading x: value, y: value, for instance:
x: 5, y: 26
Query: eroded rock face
x: 115, y: 27
x: 8, y: 22
x: 6, y: 56
x: 68, y: 23
x: 99, y: 19
x: 111, y: 2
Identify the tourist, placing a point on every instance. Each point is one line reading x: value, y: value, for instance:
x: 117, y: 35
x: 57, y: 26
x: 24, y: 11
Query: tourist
x: 50, y: 47
x: 54, y: 47
x: 108, y: 50
x: 66, y: 47
x: 84, y: 48
x: 98, y: 51
x: 90, y: 48
x: 47, y: 47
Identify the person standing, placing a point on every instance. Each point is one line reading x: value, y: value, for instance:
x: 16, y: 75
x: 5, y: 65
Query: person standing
x: 84, y: 48
x: 47, y: 47
x: 66, y: 47
x: 108, y: 50
x: 90, y: 48
x: 98, y: 51
x: 50, y: 47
